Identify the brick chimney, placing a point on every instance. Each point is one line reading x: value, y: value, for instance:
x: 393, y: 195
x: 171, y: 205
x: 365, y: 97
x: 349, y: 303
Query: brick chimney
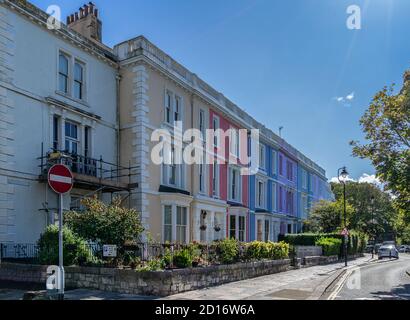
x: 85, y: 21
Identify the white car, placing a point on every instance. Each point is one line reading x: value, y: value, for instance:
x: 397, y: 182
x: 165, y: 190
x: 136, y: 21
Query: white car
x: 388, y: 251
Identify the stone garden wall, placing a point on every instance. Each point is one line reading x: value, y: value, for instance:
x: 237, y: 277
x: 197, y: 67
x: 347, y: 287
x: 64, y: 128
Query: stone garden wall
x: 162, y: 283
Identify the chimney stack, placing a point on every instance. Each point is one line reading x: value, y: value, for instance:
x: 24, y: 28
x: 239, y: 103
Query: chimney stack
x: 85, y: 21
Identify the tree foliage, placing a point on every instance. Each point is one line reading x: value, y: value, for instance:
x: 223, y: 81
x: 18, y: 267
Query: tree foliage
x: 386, y: 125
x: 328, y: 217
x: 375, y: 218
x: 105, y: 224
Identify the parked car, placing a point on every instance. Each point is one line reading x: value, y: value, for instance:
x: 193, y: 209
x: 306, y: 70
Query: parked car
x: 388, y: 251
x: 376, y: 247
x: 404, y: 249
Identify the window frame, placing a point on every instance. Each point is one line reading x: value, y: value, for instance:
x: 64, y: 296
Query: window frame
x: 70, y: 139
x: 262, y: 156
x: 233, y: 171
x: 60, y: 74
x: 82, y: 82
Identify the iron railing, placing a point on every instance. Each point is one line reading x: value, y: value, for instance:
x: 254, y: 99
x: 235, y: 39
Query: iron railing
x: 88, y: 166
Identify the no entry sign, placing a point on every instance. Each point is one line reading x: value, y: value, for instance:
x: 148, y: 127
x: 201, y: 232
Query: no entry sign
x: 60, y: 179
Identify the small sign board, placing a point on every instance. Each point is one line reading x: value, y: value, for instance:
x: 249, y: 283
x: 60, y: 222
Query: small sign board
x: 109, y: 251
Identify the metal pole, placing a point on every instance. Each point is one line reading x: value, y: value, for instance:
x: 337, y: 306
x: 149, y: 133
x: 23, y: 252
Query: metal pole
x: 60, y: 247
x: 345, y: 220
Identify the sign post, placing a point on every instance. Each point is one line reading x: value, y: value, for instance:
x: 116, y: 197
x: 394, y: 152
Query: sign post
x: 60, y: 179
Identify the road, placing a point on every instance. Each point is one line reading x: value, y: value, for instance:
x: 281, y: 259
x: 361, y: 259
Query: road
x: 387, y: 280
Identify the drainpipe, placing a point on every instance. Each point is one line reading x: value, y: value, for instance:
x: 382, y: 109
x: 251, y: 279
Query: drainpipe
x: 118, y: 122
x: 192, y: 172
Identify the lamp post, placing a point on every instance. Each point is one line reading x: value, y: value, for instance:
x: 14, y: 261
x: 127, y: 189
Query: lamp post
x: 373, y: 227
x: 341, y: 176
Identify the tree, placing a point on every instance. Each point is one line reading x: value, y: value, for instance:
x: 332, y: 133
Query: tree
x: 327, y: 217
x: 386, y: 125
x: 359, y: 196
x: 105, y: 224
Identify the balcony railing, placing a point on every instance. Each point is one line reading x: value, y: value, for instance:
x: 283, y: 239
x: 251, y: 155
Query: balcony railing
x: 88, y: 167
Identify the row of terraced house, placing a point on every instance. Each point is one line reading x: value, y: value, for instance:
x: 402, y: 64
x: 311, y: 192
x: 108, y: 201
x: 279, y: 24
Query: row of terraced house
x: 63, y: 89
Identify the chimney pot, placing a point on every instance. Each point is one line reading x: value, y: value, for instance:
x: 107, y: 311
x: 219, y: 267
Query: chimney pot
x: 68, y: 20
x: 96, y: 13
x: 76, y: 16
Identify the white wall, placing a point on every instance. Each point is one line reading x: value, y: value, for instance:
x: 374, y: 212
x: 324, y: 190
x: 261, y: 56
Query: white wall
x: 34, y: 68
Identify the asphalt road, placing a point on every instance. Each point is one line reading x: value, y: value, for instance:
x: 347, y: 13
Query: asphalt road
x: 387, y: 280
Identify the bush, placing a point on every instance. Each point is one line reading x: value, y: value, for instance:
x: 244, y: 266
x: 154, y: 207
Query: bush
x: 307, y: 239
x: 330, y: 246
x: 75, y: 249
x: 182, y: 258
x: 257, y: 250
x: 228, y: 250
x: 105, y: 224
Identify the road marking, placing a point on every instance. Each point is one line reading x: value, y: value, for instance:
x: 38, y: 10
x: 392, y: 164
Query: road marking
x: 341, y: 283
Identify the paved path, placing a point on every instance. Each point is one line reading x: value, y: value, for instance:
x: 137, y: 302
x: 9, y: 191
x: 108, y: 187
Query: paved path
x: 388, y: 280
x: 299, y: 284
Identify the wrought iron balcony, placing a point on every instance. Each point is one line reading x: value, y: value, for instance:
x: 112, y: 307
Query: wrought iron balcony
x: 90, y: 173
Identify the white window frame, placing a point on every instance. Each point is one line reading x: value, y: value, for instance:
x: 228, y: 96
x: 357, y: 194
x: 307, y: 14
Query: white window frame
x: 216, y: 124
x: 216, y: 172
x: 83, y: 83
x: 266, y: 237
x: 274, y: 196
x: 202, y: 126
x: 166, y: 170
x: 274, y: 162
x: 69, y: 72
x: 174, y: 209
x: 237, y: 218
x: 304, y: 179
x: 202, y: 183
x: 234, y: 142
x: 263, y: 197
x: 72, y: 140
x: 168, y: 104
x: 238, y: 188
x: 262, y: 156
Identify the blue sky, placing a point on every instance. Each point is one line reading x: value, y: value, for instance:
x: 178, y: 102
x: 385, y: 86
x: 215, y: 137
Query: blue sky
x: 283, y: 61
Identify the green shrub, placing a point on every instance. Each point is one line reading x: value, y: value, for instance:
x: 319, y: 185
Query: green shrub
x: 330, y: 246
x: 280, y: 250
x: 257, y: 250
x: 182, y: 258
x: 307, y: 239
x: 227, y: 250
x: 75, y: 249
x: 151, y: 265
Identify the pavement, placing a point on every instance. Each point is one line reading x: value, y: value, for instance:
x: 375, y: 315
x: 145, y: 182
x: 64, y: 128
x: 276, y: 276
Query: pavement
x: 385, y: 280
x: 301, y: 284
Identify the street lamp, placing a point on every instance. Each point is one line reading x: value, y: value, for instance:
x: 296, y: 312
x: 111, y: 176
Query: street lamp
x: 342, y: 174
x: 373, y: 226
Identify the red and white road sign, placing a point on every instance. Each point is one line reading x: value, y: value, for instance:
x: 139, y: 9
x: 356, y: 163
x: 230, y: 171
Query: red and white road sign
x: 60, y: 179
x: 345, y: 232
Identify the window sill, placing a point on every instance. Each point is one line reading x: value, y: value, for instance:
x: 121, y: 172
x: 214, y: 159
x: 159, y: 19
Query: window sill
x: 67, y: 96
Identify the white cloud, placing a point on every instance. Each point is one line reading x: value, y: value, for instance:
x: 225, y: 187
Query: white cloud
x: 350, y: 96
x: 365, y: 178
x: 336, y: 180
x: 370, y: 179
x: 345, y: 100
